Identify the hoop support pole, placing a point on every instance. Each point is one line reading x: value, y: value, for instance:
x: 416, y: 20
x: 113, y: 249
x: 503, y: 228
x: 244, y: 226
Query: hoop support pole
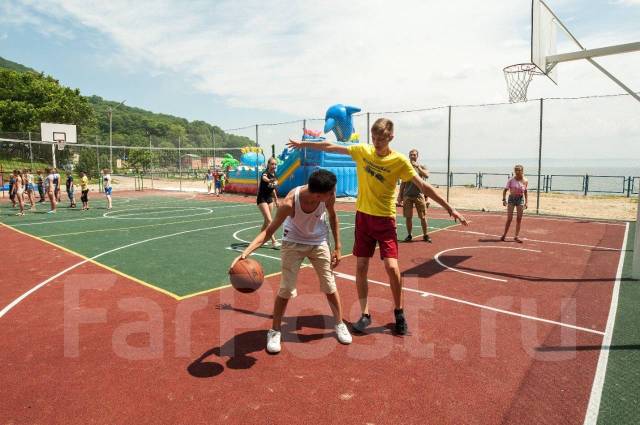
x: 594, y: 53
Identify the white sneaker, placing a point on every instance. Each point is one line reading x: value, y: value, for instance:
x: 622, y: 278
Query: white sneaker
x: 273, y: 341
x: 343, y: 333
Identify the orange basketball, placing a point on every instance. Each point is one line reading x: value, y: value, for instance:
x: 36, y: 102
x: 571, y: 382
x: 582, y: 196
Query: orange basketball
x: 246, y: 275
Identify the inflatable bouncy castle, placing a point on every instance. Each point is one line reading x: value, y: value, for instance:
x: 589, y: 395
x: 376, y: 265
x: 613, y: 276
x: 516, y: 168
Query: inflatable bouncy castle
x: 294, y: 167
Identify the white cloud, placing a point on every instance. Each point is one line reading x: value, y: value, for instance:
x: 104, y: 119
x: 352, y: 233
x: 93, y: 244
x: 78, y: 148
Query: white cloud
x: 299, y: 57
x: 23, y: 14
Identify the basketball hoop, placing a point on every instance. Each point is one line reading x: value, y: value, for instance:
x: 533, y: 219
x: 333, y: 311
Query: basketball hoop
x: 518, y: 77
x: 60, y: 144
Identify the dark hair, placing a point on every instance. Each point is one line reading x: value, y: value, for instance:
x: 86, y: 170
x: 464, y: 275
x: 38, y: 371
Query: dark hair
x: 322, y: 181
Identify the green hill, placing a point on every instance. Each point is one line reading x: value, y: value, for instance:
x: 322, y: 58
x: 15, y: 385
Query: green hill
x: 4, y: 63
x: 28, y: 98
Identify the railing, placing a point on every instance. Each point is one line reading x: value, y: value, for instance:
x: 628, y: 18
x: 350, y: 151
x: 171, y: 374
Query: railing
x: 570, y: 183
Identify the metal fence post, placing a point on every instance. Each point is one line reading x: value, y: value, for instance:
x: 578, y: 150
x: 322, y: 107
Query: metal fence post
x: 635, y: 270
x: 30, y: 152
x: 368, y: 128
x: 151, y: 160
x: 257, y: 167
x: 586, y: 184
x: 179, y: 165
x: 449, y: 155
x: 97, y: 157
x: 539, y: 157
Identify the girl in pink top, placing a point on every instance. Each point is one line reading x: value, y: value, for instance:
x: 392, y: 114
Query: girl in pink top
x: 518, y: 199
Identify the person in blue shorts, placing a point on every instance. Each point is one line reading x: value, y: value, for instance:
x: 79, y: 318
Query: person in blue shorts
x: 70, y: 191
x: 218, y: 180
x: 106, y: 183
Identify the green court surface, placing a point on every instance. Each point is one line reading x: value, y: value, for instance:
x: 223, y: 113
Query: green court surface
x: 181, y: 246
x: 621, y: 389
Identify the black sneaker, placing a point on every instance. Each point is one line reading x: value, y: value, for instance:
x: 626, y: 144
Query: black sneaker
x: 362, y: 323
x: 408, y: 238
x: 426, y: 238
x: 401, y: 327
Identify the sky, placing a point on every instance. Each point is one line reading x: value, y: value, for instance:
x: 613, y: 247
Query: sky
x: 245, y: 62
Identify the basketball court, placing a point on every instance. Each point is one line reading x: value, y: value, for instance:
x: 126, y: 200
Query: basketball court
x: 512, y: 330
x: 127, y: 315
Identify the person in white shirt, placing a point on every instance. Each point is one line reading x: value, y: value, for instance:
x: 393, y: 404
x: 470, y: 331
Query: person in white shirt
x: 106, y: 184
x: 50, y: 189
x: 303, y: 213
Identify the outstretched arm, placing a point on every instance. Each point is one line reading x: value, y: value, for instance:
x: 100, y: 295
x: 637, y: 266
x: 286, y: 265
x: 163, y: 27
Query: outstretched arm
x: 321, y: 146
x: 430, y: 192
x: 266, y: 234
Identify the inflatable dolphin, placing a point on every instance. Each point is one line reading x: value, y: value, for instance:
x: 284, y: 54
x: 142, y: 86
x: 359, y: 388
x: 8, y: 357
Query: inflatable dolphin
x: 338, y: 119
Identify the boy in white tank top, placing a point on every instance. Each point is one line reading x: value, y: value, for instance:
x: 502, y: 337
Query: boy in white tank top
x: 303, y: 213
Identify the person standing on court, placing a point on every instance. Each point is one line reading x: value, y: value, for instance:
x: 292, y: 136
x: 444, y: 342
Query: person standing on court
x: 410, y: 195
x: 18, y: 190
x: 40, y: 182
x: 378, y: 169
x: 84, y: 187
x: 56, y: 184
x: 12, y: 192
x: 267, y: 195
x: 50, y: 189
x: 208, y: 179
x: 28, y: 181
x: 304, y: 212
x: 518, y: 199
x: 70, y: 190
x: 106, y: 184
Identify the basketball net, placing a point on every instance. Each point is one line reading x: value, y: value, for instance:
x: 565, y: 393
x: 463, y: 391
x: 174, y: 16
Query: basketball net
x: 518, y: 77
x: 60, y: 144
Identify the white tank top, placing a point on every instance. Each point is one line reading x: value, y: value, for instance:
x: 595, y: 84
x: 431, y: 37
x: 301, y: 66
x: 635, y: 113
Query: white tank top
x: 306, y: 228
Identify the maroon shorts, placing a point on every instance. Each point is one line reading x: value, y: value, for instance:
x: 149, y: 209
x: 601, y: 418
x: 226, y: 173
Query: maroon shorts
x: 371, y: 229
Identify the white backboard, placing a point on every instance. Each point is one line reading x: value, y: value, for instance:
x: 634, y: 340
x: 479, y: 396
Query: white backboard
x: 51, y: 132
x: 543, y: 37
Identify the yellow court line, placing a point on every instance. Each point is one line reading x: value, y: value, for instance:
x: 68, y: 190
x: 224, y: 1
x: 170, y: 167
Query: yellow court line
x: 141, y: 282
x: 208, y: 291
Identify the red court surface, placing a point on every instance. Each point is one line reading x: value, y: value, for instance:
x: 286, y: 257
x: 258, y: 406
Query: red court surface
x: 94, y: 347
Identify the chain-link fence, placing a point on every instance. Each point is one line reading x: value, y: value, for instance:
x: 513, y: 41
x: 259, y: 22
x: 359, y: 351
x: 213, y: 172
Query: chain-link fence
x: 568, y: 147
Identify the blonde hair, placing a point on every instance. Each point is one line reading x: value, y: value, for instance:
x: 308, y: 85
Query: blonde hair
x: 382, y: 127
x: 519, y: 166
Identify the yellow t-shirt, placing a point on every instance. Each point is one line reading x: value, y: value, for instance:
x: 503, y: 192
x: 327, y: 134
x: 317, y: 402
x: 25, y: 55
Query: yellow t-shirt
x: 377, y: 178
x: 84, y: 183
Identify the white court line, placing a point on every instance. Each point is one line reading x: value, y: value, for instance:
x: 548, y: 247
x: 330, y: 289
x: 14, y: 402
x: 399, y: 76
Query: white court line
x: 41, y: 284
x: 238, y: 238
x: 102, y: 218
x: 481, y: 306
x: 127, y: 228
x: 132, y: 216
x: 437, y: 258
x: 593, y: 409
x: 255, y: 253
x: 535, y: 240
x: 575, y: 220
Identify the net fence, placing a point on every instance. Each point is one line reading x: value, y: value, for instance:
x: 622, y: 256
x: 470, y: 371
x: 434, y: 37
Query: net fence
x: 582, y: 152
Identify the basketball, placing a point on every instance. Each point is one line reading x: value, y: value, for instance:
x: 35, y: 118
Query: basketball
x: 246, y: 275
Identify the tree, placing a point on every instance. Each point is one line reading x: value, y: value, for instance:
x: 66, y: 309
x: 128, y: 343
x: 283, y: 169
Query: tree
x: 27, y: 99
x: 140, y: 159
